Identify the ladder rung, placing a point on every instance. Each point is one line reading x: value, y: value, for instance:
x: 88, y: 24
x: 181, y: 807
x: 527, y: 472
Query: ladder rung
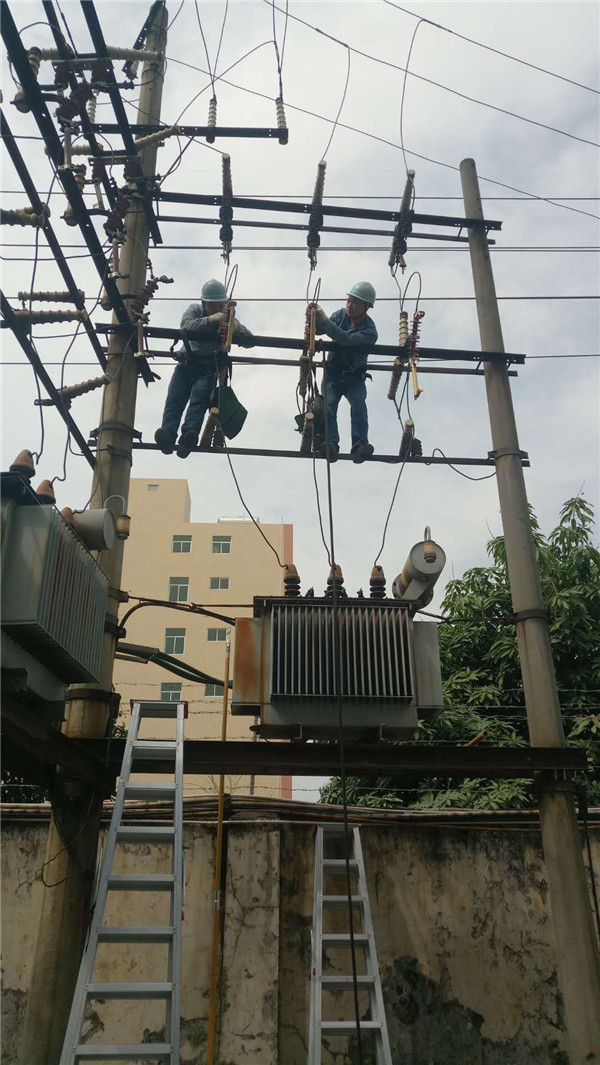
x: 141, y: 881
x: 338, y: 902
x: 150, y: 791
x: 342, y: 939
x: 158, y: 709
x: 117, y: 989
x: 339, y: 864
x: 154, y: 749
x: 335, y: 982
x: 348, y: 1027
x: 146, y: 834
x: 120, y: 1051
x: 138, y: 934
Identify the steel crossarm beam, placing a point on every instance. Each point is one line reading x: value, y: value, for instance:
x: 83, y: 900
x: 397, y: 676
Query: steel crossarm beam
x: 441, y: 354
x: 20, y: 331
x: 255, y: 204
x: 53, y: 242
x: 266, y: 132
x: 18, y: 56
x: 361, y: 759
x: 124, y: 128
x: 46, y: 745
x: 86, y: 127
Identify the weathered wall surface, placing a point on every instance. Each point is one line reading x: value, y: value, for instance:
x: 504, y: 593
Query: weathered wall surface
x: 463, y: 932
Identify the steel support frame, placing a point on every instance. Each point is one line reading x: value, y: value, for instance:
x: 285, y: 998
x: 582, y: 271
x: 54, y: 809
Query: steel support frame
x: 51, y: 238
x: 20, y: 331
x: 455, y: 222
x: 261, y: 132
x: 123, y: 125
x: 299, y: 227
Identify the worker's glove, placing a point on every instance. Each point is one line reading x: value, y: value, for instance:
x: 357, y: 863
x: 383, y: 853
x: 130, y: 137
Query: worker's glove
x: 322, y: 318
x: 217, y: 318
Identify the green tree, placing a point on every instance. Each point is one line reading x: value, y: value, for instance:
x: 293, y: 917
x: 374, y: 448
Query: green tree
x: 483, y: 691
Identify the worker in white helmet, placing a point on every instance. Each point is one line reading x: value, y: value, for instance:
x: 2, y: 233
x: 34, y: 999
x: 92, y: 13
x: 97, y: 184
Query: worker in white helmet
x: 195, y: 376
x: 346, y: 369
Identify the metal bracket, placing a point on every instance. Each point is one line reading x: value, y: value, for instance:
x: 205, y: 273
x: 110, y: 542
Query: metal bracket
x: 111, y: 625
x: 524, y: 615
x: 120, y: 427
x: 119, y: 453
x: 118, y: 594
x: 507, y: 451
x: 548, y: 785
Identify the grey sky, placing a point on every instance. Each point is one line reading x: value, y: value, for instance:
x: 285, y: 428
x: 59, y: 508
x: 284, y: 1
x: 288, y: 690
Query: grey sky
x: 556, y: 401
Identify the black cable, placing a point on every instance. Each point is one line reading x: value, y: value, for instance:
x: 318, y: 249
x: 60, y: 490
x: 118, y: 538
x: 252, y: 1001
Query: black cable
x: 66, y: 25
x: 404, y: 93
x: 210, y: 73
x: 486, y: 476
x: 314, y: 466
x: 176, y: 15
x: 440, y: 85
x: 243, y: 501
x: 489, y: 48
x: 349, y: 54
x: 221, y: 36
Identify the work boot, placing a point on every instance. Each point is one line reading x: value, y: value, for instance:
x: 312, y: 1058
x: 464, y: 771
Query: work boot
x: 165, y: 441
x: 187, y: 441
x: 329, y: 452
x: 364, y: 451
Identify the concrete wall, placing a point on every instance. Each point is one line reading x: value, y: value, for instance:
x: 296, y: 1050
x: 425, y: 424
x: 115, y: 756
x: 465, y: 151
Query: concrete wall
x: 463, y: 932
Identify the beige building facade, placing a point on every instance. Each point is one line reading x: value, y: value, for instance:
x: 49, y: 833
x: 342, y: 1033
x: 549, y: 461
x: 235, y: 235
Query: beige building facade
x: 219, y: 565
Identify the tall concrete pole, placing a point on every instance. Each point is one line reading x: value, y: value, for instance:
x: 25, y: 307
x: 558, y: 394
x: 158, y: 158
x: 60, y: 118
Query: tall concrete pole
x: 73, y: 835
x: 577, y: 956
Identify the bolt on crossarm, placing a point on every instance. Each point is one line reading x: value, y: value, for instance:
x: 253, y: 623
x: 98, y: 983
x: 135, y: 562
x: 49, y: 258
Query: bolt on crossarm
x: 578, y: 962
x: 73, y: 835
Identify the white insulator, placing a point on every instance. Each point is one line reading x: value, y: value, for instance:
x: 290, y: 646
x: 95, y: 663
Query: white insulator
x: 50, y: 297
x: 81, y: 149
x: 91, y: 108
x: 112, y: 51
x: 227, y: 183
x: 281, y: 122
x: 319, y: 183
x: 403, y: 328
x: 212, y: 112
x: 158, y: 137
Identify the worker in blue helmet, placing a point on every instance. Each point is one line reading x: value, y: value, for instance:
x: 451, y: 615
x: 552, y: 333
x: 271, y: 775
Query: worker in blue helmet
x: 354, y: 332
x: 195, y: 376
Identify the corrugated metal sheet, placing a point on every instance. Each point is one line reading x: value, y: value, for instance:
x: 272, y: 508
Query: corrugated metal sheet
x: 369, y: 650
x: 53, y: 594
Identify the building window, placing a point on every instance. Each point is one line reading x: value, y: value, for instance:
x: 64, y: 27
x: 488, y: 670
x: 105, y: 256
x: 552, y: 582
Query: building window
x: 216, y: 635
x: 170, y: 693
x: 153, y: 487
x: 182, y: 545
x: 174, y: 641
x: 214, y: 689
x: 219, y: 583
x: 221, y: 545
x: 178, y: 589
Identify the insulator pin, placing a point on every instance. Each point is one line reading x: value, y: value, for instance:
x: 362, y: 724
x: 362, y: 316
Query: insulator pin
x: 51, y: 297
x: 79, y: 175
x: 315, y: 220
x: 50, y: 316
x: 116, y: 216
x: 291, y: 581
x: 72, y: 391
x: 91, y: 107
x: 335, y: 582
x: 156, y: 138
x: 377, y: 583
x: 395, y: 378
x: 212, y: 119
x: 24, y: 216
x: 20, y: 101
x: 281, y: 121
x: 403, y: 331
x: 75, y: 104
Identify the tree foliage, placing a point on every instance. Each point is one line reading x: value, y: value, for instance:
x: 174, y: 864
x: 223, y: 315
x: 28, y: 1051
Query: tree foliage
x: 483, y: 689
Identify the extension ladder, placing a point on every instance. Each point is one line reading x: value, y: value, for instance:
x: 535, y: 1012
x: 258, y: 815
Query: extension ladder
x: 167, y: 1052
x: 364, y: 940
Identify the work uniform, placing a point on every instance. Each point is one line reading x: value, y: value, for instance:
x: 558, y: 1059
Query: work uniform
x: 345, y: 373
x: 195, y: 377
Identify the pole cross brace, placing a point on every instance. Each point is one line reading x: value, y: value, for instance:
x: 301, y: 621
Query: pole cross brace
x: 533, y: 612
x: 508, y: 451
x: 547, y: 785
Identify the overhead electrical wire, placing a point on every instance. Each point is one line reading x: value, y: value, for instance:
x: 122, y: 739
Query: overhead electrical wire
x: 392, y: 144
x: 439, y: 85
x: 349, y: 55
x: 489, y: 48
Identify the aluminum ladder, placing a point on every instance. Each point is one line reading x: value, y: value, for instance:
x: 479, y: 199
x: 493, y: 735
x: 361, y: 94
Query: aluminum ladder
x: 364, y: 940
x: 74, y: 1051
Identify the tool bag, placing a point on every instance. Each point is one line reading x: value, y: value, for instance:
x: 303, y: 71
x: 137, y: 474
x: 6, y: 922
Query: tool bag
x: 232, y: 414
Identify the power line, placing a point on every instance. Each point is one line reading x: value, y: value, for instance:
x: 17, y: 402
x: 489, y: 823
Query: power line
x: 528, y: 198
x: 439, y: 85
x: 167, y: 366
x: 488, y: 47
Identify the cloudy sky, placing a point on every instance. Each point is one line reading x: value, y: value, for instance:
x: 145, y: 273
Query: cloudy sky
x: 544, y: 250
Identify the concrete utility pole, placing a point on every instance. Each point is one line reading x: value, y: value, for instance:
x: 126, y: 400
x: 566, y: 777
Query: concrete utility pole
x: 73, y: 835
x: 577, y: 956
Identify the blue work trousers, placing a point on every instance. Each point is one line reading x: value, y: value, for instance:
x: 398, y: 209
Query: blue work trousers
x: 187, y: 385
x: 355, y: 390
